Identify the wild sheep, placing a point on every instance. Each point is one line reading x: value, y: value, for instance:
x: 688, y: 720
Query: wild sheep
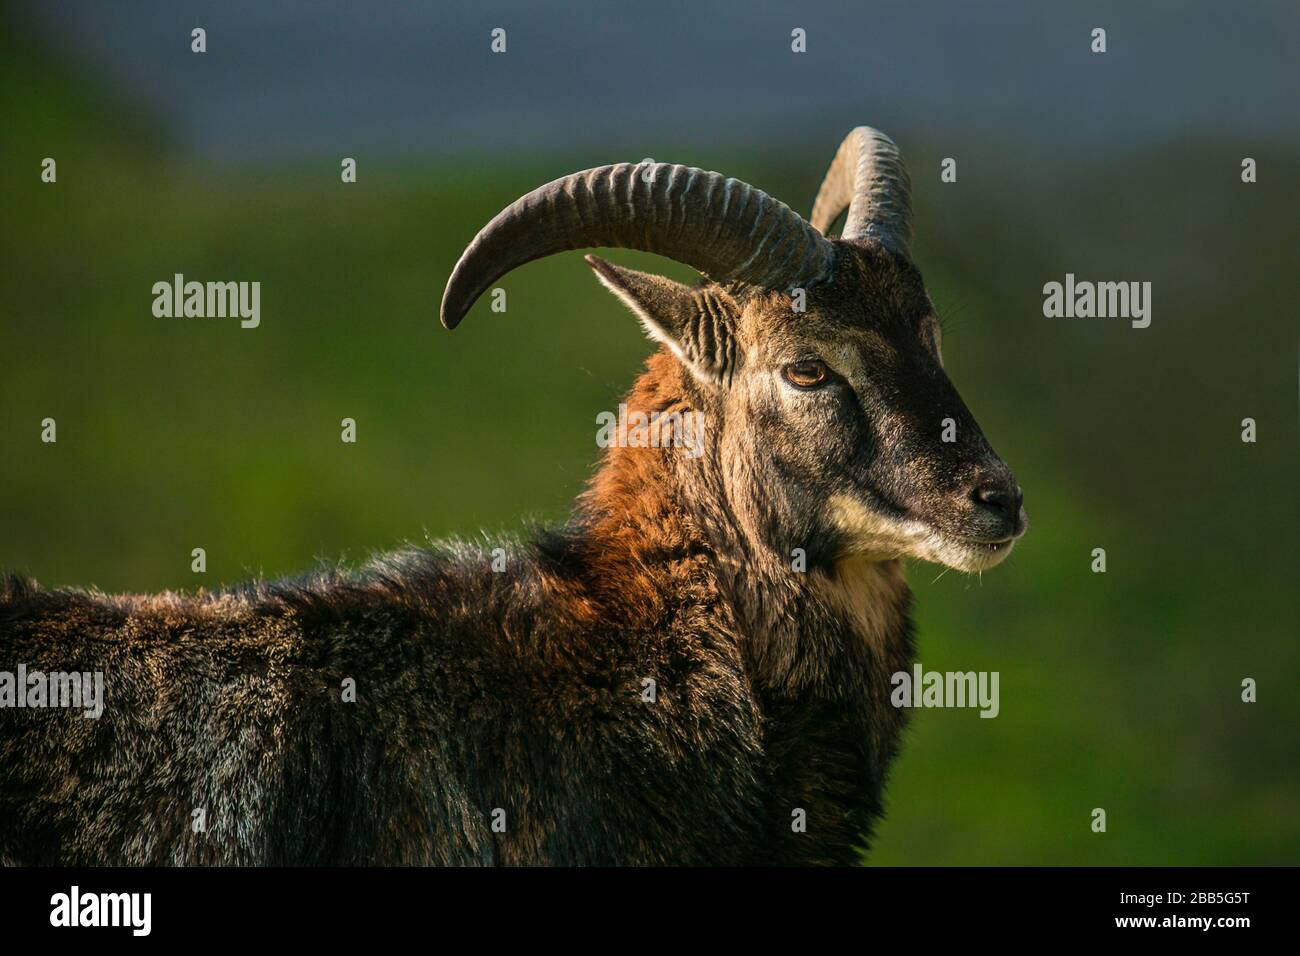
x: 695, y: 670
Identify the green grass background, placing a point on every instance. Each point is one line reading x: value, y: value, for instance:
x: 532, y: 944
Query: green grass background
x: 1118, y: 691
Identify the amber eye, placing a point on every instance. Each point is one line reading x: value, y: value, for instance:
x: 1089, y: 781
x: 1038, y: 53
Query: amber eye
x: 810, y: 374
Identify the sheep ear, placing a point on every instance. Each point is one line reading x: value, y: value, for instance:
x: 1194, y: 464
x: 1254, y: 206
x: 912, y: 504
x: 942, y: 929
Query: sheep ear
x: 696, y: 324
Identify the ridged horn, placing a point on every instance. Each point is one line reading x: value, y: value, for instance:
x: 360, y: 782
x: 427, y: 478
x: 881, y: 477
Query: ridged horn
x: 867, y: 176
x: 721, y: 227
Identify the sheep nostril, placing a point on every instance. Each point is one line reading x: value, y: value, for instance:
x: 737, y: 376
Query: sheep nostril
x: 1000, y: 498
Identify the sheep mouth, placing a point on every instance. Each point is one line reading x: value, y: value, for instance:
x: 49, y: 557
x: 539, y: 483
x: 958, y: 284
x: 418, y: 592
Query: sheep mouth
x: 984, y: 544
x: 872, y: 532
x: 968, y: 554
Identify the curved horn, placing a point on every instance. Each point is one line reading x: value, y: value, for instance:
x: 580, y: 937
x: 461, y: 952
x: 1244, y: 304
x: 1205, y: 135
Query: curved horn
x: 868, y: 176
x: 721, y: 227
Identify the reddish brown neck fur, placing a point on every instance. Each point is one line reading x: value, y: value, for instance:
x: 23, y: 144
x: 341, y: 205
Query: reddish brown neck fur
x: 666, y: 522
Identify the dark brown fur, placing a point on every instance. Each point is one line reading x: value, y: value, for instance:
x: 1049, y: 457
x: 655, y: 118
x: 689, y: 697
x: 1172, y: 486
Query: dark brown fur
x: 477, y: 690
x: 521, y: 690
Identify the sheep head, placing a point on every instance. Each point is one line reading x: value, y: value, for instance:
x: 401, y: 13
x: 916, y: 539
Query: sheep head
x: 816, y: 360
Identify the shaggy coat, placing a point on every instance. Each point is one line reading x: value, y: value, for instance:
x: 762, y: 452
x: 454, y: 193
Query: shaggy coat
x: 500, y: 717
x: 696, y: 670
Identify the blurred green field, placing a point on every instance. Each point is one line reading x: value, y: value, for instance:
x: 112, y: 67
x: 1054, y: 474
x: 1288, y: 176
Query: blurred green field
x: 1118, y: 691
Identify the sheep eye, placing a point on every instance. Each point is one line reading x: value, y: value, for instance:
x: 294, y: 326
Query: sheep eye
x: 810, y: 374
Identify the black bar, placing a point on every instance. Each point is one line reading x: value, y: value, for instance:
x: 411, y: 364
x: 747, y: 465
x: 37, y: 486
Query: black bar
x: 333, y: 906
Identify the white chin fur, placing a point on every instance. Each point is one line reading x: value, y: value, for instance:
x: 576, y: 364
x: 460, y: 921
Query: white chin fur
x: 962, y: 555
x: 883, y: 538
